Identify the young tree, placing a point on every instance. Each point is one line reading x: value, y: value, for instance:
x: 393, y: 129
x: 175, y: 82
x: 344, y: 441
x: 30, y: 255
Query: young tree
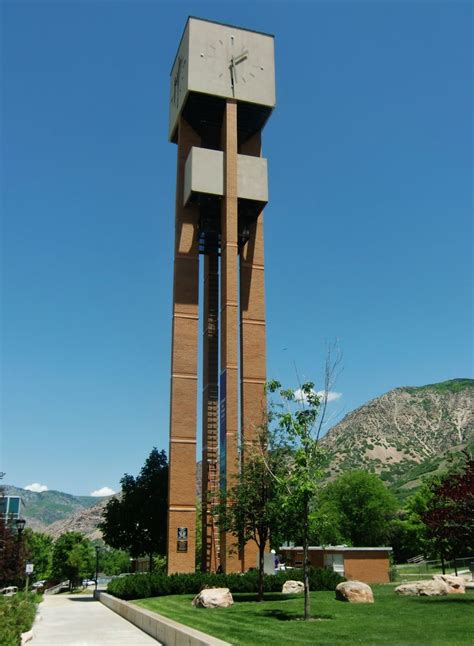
x: 299, y: 485
x: 252, y: 508
x: 295, y: 425
x: 137, y: 520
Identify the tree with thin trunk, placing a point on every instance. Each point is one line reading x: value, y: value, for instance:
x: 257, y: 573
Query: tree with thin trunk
x: 295, y: 420
x: 252, y: 510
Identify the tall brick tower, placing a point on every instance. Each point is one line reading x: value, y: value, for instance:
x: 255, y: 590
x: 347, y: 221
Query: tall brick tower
x: 222, y: 92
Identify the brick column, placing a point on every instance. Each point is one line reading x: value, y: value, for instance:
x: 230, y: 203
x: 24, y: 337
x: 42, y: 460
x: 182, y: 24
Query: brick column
x: 182, y: 454
x: 229, y: 325
x: 252, y: 330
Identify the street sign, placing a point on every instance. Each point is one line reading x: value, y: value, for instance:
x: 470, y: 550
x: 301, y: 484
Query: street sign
x: 29, y: 568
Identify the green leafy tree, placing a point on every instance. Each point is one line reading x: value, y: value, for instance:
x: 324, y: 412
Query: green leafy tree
x: 113, y: 562
x: 39, y: 550
x: 159, y: 563
x: 252, y: 509
x: 137, y: 520
x: 409, y: 534
x: 295, y: 426
x: 325, y: 523
x: 73, y: 558
x: 362, y: 508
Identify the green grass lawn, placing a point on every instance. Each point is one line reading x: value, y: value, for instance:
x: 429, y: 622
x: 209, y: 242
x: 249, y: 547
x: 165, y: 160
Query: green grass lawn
x: 404, y: 621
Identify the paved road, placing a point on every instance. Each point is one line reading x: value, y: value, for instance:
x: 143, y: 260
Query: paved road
x: 80, y: 620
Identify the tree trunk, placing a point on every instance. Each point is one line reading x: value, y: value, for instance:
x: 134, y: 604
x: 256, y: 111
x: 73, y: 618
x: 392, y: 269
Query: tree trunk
x: 261, y: 553
x: 443, y: 567
x: 150, y: 563
x: 306, y: 561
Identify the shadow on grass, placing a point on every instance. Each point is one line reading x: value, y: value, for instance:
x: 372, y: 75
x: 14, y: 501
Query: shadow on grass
x: 447, y: 599
x: 281, y: 615
x: 269, y: 596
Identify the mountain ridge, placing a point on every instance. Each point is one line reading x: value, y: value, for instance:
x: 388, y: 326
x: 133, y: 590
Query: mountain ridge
x: 403, y: 435
x: 42, y: 509
x: 404, y: 427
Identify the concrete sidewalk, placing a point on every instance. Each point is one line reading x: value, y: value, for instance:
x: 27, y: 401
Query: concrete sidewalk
x: 80, y: 620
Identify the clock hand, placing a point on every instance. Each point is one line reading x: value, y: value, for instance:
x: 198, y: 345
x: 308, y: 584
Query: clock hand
x: 233, y: 62
x: 241, y: 57
x: 232, y: 74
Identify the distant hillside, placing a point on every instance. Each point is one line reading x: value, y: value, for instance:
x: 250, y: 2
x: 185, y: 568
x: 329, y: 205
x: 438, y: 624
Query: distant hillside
x: 83, y: 520
x: 405, y: 433
x: 43, y: 509
x: 412, y: 478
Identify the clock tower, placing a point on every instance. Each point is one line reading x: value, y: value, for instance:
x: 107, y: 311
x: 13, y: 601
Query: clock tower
x: 222, y: 91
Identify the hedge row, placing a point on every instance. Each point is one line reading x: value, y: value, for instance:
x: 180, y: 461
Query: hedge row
x: 140, y: 586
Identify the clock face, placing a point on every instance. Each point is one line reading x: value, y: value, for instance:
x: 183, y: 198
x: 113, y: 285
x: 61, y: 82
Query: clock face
x: 233, y: 64
x: 179, y: 78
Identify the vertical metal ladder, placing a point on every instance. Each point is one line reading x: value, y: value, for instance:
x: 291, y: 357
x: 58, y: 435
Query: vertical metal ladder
x: 211, y: 414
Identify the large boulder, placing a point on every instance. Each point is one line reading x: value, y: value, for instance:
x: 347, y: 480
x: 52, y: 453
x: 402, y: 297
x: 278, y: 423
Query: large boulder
x: 456, y: 584
x: 213, y: 598
x: 293, y: 587
x: 423, y: 589
x: 354, y: 592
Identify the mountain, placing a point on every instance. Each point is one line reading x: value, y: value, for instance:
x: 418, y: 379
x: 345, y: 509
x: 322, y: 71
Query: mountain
x: 405, y: 433
x: 402, y: 435
x: 84, y: 520
x: 40, y: 510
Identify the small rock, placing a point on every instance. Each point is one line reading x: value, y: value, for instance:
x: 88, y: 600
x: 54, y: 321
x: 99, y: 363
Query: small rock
x: 423, y: 589
x: 456, y: 584
x: 354, y: 592
x: 293, y: 587
x: 213, y: 598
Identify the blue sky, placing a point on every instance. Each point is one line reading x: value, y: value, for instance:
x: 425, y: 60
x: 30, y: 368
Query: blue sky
x: 368, y: 229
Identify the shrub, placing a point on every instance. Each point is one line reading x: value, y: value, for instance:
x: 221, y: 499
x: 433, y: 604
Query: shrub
x: 16, y: 616
x: 157, y: 584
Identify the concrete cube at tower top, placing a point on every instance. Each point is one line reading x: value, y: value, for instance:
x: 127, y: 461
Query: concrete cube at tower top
x: 221, y: 61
